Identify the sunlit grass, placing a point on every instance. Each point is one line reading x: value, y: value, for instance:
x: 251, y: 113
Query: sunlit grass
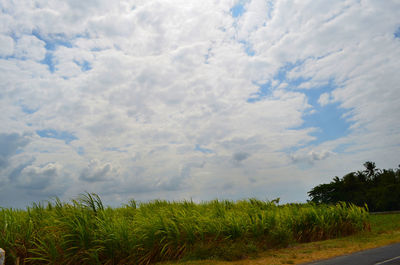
x: 83, y: 231
x: 385, y: 230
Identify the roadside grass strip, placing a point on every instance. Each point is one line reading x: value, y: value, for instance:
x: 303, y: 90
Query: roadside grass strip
x: 385, y: 230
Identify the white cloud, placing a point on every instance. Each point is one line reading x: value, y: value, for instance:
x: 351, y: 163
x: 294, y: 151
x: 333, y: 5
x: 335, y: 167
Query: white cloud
x: 30, y: 47
x: 141, y: 84
x: 38, y: 177
x: 6, y: 46
x: 324, y: 99
x: 311, y: 156
x: 96, y: 171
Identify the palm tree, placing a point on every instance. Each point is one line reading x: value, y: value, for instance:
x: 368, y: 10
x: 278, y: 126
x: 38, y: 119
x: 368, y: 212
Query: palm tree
x: 370, y: 169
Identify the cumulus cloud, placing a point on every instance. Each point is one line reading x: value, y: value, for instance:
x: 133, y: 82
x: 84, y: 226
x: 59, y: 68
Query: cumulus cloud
x: 30, y: 47
x: 139, y: 85
x: 324, y: 99
x: 311, y: 156
x: 38, y: 177
x: 96, y: 171
x: 31, y: 182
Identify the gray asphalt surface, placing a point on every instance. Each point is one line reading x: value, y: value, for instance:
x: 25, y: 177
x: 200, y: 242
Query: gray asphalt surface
x: 388, y: 255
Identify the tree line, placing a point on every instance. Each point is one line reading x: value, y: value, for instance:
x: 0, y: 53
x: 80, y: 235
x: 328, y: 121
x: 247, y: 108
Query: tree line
x: 378, y: 188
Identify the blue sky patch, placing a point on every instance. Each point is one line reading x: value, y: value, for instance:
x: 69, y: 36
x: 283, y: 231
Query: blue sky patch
x: 248, y: 48
x: 203, y: 150
x: 271, y: 7
x: 85, y: 65
x: 28, y: 110
x: 264, y: 91
x: 281, y: 75
x: 328, y: 119
x: 397, y: 33
x: 60, y: 135
x: 207, y: 56
x: 329, y: 122
x: 313, y: 94
x: 51, y: 44
x: 48, y: 60
x: 80, y: 150
x: 238, y: 9
x: 53, y: 41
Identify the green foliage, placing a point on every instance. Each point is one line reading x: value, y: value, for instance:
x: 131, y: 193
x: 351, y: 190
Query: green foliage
x: 85, y: 232
x: 379, y: 189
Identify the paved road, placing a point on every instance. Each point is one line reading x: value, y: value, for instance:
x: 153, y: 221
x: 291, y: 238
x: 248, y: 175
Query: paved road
x: 388, y: 255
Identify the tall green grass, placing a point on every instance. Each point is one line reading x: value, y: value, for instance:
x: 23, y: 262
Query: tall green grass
x: 83, y: 231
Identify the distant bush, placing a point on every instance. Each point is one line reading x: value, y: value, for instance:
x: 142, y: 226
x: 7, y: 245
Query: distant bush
x: 379, y: 189
x: 85, y: 232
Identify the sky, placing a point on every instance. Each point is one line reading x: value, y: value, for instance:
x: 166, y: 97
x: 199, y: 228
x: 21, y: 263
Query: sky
x: 201, y: 100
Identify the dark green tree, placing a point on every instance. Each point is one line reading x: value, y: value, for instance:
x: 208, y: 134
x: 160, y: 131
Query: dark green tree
x: 370, y: 169
x: 379, y: 189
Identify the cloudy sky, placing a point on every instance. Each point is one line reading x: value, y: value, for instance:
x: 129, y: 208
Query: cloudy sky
x: 178, y: 99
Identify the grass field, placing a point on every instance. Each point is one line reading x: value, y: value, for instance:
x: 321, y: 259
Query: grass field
x: 385, y: 230
x: 83, y: 231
